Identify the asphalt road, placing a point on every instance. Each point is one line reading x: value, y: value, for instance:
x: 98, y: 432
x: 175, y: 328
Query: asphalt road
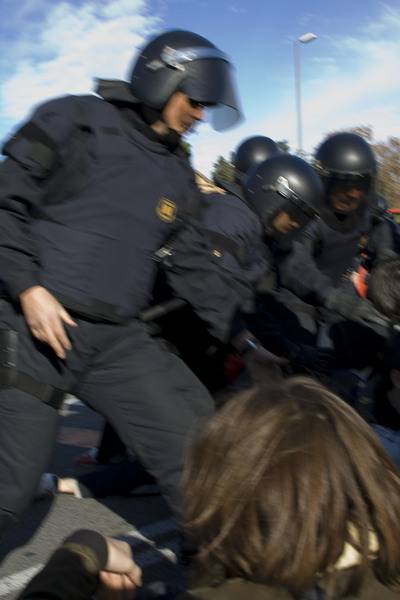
x: 145, y: 522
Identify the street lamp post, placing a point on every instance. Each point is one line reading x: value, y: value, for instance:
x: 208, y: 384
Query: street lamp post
x: 303, y: 39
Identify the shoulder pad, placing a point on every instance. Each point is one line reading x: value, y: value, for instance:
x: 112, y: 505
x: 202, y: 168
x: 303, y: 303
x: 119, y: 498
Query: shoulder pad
x: 231, y: 188
x: 36, y: 145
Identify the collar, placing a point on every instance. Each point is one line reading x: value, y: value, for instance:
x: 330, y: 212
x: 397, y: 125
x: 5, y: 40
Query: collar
x: 116, y: 91
x: 119, y: 93
x: 231, y: 187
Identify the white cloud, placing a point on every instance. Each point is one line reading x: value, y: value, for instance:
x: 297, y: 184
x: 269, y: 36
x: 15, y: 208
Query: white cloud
x: 358, y: 85
x: 239, y: 10
x: 122, y: 8
x: 75, y: 44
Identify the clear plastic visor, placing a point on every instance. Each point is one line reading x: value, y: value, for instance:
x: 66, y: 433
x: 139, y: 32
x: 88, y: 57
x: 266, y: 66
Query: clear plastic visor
x: 210, y: 82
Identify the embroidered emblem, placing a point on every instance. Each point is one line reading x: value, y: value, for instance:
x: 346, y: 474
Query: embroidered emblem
x: 166, y: 210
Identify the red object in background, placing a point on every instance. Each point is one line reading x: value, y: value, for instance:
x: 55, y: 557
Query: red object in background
x: 396, y: 214
x: 233, y: 366
x: 361, y: 282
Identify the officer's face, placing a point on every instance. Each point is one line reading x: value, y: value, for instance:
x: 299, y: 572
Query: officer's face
x: 346, y: 196
x: 284, y: 223
x: 181, y: 113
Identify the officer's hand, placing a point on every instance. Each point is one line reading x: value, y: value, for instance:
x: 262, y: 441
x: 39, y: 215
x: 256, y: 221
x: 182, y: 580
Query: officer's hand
x: 45, y: 317
x: 321, y: 360
x: 343, y: 300
x: 263, y: 365
x: 262, y: 356
x: 367, y: 312
x: 121, y: 575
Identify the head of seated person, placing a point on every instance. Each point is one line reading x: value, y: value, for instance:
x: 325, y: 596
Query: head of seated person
x: 384, y: 288
x: 288, y: 487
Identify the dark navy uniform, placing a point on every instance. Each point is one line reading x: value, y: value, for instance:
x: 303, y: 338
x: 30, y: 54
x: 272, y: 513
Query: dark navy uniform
x: 228, y: 217
x: 319, y: 268
x: 233, y: 238
x: 277, y: 325
x: 328, y: 252
x: 85, y: 232
x: 317, y: 271
x: 89, y: 192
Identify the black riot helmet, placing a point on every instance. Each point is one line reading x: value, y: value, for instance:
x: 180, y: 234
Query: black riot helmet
x: 345, y: 156
x: 284, y: 184
x: 250, y: 153
x: 347, y: 165
x: 184, y: 61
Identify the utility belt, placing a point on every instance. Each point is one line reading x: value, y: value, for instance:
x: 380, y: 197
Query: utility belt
x: 96, y: 310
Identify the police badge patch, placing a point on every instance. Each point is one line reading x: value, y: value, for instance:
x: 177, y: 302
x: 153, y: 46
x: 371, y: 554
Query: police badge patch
x: 166, y: 210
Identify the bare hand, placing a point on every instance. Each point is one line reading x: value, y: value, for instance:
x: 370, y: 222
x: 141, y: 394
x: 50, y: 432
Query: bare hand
x: 45, y: 317
x: 121, y: 575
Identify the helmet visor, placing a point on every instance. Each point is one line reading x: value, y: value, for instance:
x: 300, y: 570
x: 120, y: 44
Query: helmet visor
x: 298, y: 212
x: 296, y: 204
x: 210, y: 82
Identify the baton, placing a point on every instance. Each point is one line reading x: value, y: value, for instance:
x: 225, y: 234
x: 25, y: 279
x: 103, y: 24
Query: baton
x: 159, y: 310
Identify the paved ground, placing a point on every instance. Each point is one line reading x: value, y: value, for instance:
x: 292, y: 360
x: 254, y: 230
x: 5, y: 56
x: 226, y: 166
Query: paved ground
x: 143, y: 521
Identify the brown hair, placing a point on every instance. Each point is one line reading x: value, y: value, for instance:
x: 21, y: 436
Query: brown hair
x: 282, y: 478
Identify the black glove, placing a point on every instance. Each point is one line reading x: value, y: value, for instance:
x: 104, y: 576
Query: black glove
x: 262, y: 356
x: 367, y: 313
x: 311, y: 358
x: 344, y: 300
x: 263, y: 365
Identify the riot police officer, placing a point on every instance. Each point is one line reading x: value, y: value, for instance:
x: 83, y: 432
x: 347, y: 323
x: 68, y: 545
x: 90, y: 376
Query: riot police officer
x: 233, y: 234
x: 287, y: 195
x: 91, y: 187
x: 243, y: 230
x: 231, y: 224
x: 320, y: 268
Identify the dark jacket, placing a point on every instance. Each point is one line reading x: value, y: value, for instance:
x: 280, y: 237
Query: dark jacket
x: 328, y: 251
x: 232, y: 238
x: 236, y: 237
x: 72, y: 574
x: 240, y: 589
x: 88, y: 194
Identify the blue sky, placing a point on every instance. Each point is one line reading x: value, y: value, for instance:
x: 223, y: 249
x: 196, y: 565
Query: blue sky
x: 350, y: 73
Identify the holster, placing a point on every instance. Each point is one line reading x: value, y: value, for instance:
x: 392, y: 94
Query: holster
x: 11, y: 377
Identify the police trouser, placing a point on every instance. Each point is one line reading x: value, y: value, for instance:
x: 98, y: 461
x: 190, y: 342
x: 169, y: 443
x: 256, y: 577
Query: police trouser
x: 147, y: 394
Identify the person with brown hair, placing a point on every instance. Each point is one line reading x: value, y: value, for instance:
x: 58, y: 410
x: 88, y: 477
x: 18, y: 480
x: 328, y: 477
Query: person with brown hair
x: 289, y: 494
